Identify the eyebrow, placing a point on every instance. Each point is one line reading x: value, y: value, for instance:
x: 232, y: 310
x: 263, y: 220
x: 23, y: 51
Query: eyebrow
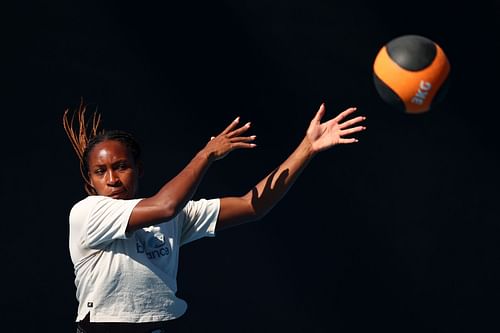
x: 113, y: 164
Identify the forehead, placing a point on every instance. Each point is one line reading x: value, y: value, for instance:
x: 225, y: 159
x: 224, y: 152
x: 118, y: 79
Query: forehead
x: 109, y: 151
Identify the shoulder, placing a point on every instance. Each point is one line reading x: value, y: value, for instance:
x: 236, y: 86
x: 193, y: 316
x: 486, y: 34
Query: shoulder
x: 201, y: 206
x: 96, y: 201
x: 84, y: 206
x: 101, y: 205
x: 93, y: 204
x: 201, y: 203
x: 88, y: 202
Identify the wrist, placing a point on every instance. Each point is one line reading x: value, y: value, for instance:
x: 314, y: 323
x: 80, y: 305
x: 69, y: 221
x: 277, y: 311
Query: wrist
x: 307, y: 148
x: 204, y: 157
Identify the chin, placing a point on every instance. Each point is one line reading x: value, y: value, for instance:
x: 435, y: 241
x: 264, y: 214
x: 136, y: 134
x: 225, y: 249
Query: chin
x: 121, y: 195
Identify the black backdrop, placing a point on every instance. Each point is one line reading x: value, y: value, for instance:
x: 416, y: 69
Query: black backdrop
x: 397, y: 233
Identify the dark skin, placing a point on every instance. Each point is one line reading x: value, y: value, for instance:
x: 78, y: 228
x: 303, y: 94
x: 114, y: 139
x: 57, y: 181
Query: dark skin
x: 114, y: 173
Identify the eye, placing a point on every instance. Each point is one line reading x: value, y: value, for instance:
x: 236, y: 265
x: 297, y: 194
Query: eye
x: 122, y: 166
x: 99, y: 171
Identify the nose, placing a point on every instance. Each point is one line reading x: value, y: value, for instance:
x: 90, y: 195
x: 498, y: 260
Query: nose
x: 112, y: 178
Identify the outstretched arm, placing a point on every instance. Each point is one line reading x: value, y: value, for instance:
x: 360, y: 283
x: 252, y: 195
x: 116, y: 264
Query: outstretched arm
x: 175, y: 193
x: 269, y: 191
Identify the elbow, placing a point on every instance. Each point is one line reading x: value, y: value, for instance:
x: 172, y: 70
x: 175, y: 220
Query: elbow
x: 170, y: 209
x: 167, y: 208
x: 169, y: 213
x: 149, y: 212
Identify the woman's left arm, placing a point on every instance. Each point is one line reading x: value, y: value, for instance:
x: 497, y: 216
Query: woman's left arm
x: 268, y: 192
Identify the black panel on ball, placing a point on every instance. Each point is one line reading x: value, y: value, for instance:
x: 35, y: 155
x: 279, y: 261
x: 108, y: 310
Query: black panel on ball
x: 387, y: 94
x: 412, y: 52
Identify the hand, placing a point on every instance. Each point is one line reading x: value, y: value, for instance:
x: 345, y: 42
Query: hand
x: 328, y: 134
x: 228, y: 140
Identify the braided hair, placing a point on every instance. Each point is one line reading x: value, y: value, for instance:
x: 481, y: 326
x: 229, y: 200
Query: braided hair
x: 84, y: 139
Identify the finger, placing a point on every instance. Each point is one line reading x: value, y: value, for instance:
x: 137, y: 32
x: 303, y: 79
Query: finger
x: 350, y: 140
x: 344, y: 114
x: 319, y: 114
x: 351, y: 122
x: 212, y: 137
x: 239, y: 131
x: 352, y: 130
x: 243, y: 139
x: 231, y: 126
x: 239, y: 145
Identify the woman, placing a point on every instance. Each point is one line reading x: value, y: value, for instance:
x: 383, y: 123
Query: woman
x: 125, y: 249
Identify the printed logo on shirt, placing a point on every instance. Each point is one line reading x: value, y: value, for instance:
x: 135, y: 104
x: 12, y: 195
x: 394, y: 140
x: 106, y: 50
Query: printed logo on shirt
x: 157, y: 241
x: 154, y: 247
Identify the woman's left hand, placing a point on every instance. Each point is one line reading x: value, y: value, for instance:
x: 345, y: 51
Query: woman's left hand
x: 334, y: 131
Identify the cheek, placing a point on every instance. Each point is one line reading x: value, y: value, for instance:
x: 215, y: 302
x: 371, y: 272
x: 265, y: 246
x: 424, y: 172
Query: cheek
x: 133, y: 181
x: 129, y: 178
x: 95, y: 182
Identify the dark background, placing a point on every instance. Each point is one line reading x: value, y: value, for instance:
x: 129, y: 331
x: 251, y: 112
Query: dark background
x: 398, y: 233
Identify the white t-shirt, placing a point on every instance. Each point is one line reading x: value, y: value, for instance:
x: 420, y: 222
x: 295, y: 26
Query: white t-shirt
x: 131, y: 277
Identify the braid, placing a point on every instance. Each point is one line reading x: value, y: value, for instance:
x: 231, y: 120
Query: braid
x: 80, y: 137
x: 84, y: 141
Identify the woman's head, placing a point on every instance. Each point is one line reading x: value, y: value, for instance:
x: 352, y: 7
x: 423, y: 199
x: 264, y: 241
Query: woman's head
x: 110, y: 161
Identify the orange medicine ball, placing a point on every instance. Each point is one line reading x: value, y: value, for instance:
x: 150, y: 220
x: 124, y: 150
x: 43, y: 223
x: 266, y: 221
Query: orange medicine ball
x: 411, y: 73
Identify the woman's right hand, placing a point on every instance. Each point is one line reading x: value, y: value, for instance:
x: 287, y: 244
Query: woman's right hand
x: 228, y: 140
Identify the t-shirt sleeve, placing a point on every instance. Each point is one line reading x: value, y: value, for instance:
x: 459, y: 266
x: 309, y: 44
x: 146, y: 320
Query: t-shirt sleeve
x: 102, y: 219
x: 199, y: 219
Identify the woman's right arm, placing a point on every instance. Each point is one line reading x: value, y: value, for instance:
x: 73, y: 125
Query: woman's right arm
x: 179, y: 190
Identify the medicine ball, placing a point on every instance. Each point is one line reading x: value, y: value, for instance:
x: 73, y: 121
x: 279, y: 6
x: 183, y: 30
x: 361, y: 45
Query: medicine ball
x: 411, y: 73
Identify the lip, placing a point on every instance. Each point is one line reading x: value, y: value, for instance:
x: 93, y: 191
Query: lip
x: 117, y: 194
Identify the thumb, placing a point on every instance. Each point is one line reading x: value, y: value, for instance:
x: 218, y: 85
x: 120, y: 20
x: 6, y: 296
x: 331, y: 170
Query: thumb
x: 319, y: 115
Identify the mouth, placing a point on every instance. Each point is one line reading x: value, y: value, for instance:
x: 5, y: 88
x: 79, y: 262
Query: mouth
x: 120, y: 194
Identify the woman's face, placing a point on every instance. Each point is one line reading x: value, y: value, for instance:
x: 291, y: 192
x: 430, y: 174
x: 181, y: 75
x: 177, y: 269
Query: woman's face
x: 112, y: 170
